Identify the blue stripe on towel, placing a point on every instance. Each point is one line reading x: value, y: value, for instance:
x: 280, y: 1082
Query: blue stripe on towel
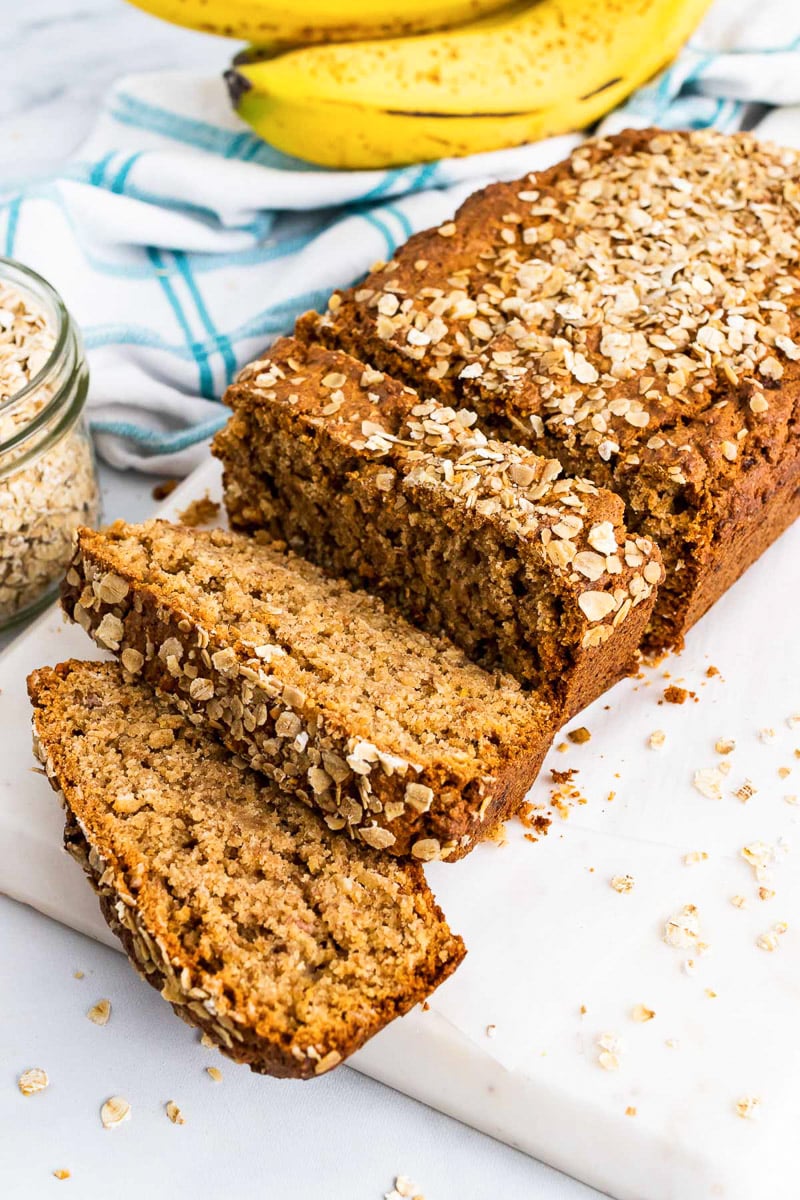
x: 11, y: 225
x: 160, y: 443
x: 229, y: 358
x: 199, y: 352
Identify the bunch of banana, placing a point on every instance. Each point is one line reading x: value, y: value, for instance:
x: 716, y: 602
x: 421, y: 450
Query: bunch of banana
x: 526, y: 72
x: 273, y: 23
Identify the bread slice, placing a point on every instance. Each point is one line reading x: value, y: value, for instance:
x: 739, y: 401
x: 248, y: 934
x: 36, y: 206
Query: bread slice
x: 632, y: 312
x: 393, y: 734
x: 524, y: 569
x: 288, y: 945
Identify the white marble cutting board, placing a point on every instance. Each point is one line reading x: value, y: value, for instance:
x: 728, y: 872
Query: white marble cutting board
x: 548, y: 936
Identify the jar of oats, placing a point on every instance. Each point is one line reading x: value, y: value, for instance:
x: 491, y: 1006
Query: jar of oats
x: 48, y: 485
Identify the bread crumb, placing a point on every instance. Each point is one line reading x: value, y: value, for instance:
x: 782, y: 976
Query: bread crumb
x: 725, y: 745
x: 77, y: 975
x: 712, y: 672
x: 34, y: 1080
x: 739, y: 901
x: 630, y: 1111
x: 656, y: 739
x: 62, y: 1173
x: 784, y: 772
x: 579, y: 736
x: 641, y: 1013
x: 162, y: 490
x: 747, y: 1108
x: 491, y: 1030
x: 676, y: 695
x: 199, y: 512
x: 100, y: 1012
x: 622, y: 883
x: 695, y: 856
x: 766, y: 736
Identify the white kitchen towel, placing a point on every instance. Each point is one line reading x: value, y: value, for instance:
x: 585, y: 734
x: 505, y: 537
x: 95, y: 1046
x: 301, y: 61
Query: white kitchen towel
x: 183, y: 244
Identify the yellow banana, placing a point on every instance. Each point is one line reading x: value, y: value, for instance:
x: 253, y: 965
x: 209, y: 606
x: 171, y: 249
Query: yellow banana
x: 328, y: 120
x: 347, y: 136
x: 274, y: 22
x: 537, y: 55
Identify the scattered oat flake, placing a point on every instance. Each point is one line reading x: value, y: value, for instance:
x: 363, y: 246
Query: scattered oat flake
x: 32, y: 1081
x: 610, y: 1049
x: 695, y: 856
x: 403, y: 1189
x: 746, y: 791
x: 622, y: 883
x: 766, y: 735
x: 712, y: 995
x: 708, y: 782
x: 114, y: 1112
x: 725, y: 745
x: 784, y: 772
x: 641, y: 1013
x: 672, y: 1044
x: 748, y: 1107
x: 630, y: 1111
x: 770, y: 940
x: 765, y: 893
x: 794, y: 721
x: 174, y: 1113
x: 683, y: 930
x: 656, y: 739
x: 790, y: 799
x: 100, y: 1012
x: 77, y: 974
x: 739, y: 901
x: 215, y: 1074
x: 62, y: 1173
x: 491, y: 1030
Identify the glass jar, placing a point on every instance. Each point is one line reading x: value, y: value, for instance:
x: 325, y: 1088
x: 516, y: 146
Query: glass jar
x: 48, y: 483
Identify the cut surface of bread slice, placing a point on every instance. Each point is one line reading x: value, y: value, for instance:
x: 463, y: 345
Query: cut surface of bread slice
x: 394, y: 734
x: 525, y: 569
x: 287, y: 944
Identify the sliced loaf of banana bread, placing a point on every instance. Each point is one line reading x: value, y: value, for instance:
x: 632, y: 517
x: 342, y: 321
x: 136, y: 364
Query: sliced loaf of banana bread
x: 288, y: 945
x: 483, y: 540
x: 392, y: 733
x: 633, y: 312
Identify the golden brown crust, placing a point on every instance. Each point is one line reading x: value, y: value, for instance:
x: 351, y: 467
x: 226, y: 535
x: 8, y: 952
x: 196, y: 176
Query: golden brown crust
x: 481, y: 539
x: 141, y: 788
x: 394, y: 735
x: 631, y: 311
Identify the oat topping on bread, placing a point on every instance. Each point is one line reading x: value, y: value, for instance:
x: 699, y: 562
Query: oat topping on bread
x: 631, y: 311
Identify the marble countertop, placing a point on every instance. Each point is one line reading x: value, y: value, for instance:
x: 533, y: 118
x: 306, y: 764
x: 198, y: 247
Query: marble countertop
x: 343, y: 1137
